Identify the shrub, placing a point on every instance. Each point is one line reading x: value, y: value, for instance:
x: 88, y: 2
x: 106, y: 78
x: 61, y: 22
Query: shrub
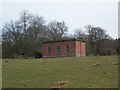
x: 38, y: 55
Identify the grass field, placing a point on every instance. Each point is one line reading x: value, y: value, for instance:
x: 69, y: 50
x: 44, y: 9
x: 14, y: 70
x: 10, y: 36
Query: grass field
x: 82, y: 72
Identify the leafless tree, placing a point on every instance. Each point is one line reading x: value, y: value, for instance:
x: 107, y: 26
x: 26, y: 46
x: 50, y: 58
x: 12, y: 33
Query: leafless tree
x: 95, y: 37
x: 79, y: 34
x: 57, y: 29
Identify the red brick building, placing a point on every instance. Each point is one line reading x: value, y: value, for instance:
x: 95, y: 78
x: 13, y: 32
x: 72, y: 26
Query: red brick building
x: 64, y: 48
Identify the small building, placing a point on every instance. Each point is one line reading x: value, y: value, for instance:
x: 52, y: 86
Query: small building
x: 64, y: 48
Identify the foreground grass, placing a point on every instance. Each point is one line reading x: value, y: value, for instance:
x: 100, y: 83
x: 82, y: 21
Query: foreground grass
x: 82, y: 72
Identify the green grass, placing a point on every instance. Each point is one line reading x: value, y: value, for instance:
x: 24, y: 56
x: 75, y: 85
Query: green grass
x: 44, y: 73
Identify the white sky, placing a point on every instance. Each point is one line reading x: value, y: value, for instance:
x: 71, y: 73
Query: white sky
x: 76, y: 14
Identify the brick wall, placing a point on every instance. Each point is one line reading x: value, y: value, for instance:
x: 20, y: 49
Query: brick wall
x: 80, y: 48
x: 77, y: 48
x: 62, y: 49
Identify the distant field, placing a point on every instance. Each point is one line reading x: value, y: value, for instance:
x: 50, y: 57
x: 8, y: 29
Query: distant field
x: 82, y: 72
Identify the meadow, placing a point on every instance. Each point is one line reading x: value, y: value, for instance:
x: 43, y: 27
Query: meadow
x: 68, y: 72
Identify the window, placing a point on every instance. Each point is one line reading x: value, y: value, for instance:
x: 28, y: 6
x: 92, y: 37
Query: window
x: 49, y: 49
x: 58, y: 49
x: 67, y: 48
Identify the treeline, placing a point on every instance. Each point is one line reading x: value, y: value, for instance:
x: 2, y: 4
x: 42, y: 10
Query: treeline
x: 24, y: 37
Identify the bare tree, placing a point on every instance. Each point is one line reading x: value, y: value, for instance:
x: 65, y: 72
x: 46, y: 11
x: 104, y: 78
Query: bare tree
x: 25, y: 21
x: 37, y: 33
x: 57, y: 29
x: 12, y: 38
x: 23, y: 36
x: 78, y: 33
x: 95, y: 37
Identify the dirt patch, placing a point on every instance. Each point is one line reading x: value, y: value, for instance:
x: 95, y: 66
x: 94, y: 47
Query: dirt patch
x: 96, y: 64
x: 115, y: 63
x: 61, y: 84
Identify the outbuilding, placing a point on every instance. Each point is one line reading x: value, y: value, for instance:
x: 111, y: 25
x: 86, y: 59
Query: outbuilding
x: 64, y: 48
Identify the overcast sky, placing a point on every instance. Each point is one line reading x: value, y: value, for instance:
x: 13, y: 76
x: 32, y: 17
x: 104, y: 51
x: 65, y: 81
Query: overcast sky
x: 75, y: 14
